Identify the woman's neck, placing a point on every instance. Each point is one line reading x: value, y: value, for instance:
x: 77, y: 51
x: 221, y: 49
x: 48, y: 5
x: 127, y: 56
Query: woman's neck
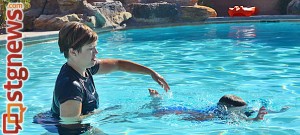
x: 76, y: 67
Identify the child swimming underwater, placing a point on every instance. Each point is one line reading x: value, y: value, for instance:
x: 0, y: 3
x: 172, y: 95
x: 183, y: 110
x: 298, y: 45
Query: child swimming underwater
x: 228, y: 105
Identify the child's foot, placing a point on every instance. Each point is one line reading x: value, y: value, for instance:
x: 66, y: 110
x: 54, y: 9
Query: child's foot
x: 261, y: 113
x: 285, y: 108
x: 153, y: 92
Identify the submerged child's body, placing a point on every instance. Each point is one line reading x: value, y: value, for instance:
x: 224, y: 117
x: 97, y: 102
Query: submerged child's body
x: 228, y: 106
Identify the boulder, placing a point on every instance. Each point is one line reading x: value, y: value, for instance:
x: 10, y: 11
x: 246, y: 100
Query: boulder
x: 29, y: 17
x: 69, y: 6
x: 91, y: 21
x: 108, y: 14
x: 36, y: 9
x: 51, y: 7
x: 92, y: 1
x: 179, y: 2
x: 42, y: 23
x: 154, y: 12
x: 121, y: 17
x: 114, y: 12
x: 129, y: 2
x: 211, y: 11
x: 194, y: 13
x: 89, y: 10
x: 37, y: 3
x: 294, y: 7
x: 54, y: 22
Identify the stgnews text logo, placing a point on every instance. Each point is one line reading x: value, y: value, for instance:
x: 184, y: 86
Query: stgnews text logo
x: 16, y: 73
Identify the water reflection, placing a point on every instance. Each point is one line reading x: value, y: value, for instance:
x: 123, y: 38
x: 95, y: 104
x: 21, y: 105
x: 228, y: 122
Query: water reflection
x: 242, y: 32
x: 118, y: 38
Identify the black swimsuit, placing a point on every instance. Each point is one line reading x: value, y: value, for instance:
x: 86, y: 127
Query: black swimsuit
x: 70, y: 85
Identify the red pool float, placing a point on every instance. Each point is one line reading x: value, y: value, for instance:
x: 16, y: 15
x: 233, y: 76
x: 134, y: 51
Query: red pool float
x: 242, y: 11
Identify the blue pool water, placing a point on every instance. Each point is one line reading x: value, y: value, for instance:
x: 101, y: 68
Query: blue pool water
x: 256, y: 61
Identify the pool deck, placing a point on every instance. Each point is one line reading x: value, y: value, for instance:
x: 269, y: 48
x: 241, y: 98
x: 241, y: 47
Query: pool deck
x: 34, y: 36
x: 42, y: 36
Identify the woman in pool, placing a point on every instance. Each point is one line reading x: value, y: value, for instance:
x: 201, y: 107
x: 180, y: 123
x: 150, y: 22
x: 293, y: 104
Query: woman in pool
x: 227, y: 105
x: 75, y: 96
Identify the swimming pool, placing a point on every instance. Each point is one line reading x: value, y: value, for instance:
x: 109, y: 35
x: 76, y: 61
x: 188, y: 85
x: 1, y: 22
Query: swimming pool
x: 256, y: 61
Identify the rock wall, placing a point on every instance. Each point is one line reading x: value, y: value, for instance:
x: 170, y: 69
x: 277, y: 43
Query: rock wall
x: 178, y: 2
x: 154, y: 10
x: 196, y: 13
x: 126, y: 3
x: 166, y: 13
x: 294, y: 7
x: 113, y: 11
x: 53, y: 14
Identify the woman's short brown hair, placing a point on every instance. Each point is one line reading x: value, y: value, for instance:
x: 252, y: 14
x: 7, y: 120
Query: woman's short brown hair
x: 75, y: 35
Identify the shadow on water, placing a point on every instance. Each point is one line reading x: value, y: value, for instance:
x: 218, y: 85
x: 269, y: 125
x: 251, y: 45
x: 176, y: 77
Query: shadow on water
x: 54, y: 126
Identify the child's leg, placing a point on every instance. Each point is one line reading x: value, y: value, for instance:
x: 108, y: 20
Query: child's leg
x: 283, y: 109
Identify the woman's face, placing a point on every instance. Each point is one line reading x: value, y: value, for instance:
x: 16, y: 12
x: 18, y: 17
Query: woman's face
x: 87, y: 56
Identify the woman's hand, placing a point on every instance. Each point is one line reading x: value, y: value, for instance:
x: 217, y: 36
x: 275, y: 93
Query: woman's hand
x: 160, y: 80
